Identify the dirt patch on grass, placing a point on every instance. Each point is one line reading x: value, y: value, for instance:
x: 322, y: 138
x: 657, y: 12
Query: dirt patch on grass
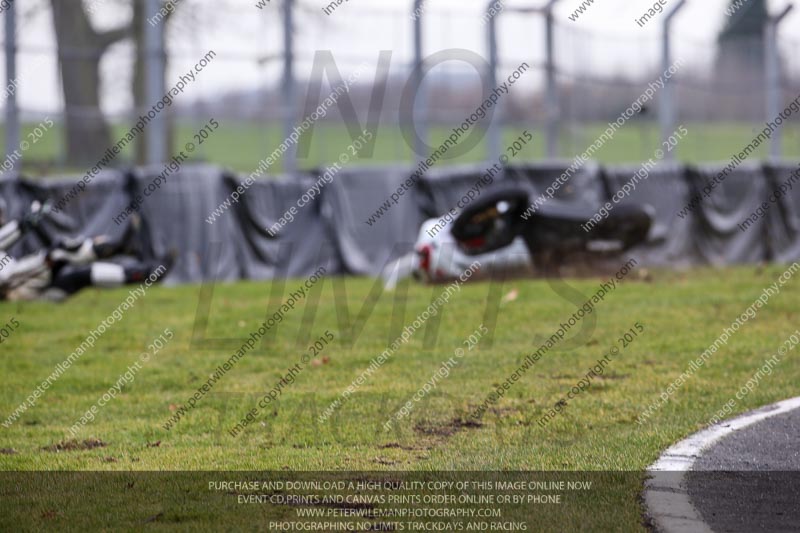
x: 446, y: 430
x: 8, y: 451
x: 428, y: 434
x: 614, y: 377
x: 408, y: 448
x: 501, y: 412
x: 75, y: 445
x: 154, y: 518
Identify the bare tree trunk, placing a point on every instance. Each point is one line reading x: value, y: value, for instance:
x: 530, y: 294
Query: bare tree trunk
x: 80, y: 49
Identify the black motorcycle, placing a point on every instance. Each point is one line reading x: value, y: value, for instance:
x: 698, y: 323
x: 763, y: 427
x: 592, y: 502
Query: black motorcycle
x: 552, y: 233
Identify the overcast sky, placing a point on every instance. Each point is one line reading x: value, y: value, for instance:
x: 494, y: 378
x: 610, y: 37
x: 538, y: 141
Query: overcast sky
x: 604, y: 41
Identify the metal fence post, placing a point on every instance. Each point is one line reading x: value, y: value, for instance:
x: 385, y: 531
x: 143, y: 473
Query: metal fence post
x: 420, y: 101
x: 773, y: 91
x: 156, y: 138
x: 495, y: 125
x: 553, y: 109
x: 289, y: 88
x: 553, y: 106
x: 666, y: 114
x: 12, y: 111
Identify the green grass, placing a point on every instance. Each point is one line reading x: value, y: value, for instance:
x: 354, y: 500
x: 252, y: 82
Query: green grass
x: 682, y: 314
x: 240, y: 146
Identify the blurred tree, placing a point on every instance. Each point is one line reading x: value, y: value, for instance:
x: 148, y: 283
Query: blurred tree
x: 80, y: 49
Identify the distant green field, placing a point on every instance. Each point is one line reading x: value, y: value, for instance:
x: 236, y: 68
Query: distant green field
x: 681, y: 314
x: 240, y: 146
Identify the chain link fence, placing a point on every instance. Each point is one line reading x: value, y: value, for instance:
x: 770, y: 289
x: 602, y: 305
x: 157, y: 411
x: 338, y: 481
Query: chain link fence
x: 93, y: 68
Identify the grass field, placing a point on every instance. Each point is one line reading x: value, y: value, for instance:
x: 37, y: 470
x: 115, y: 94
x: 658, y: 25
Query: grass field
x: 682, y: 313
x: 240, y: 146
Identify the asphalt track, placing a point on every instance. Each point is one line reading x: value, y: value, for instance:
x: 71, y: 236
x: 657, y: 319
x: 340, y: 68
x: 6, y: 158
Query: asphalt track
x: 749, y: 480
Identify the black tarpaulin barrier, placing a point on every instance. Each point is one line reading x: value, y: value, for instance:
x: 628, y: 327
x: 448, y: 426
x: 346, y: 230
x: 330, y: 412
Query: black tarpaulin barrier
x: 582, y: 186
x: 87, y: 214
x: 354, y: 225
x: 93, y: 209
x: 783, y: 211
x: 175, y: 212
x: 278, y: 242
x: 371, y: 227
x: 441, y: 189
x: 717, y: 236
x: 18, y: 195
x: 666, y: 190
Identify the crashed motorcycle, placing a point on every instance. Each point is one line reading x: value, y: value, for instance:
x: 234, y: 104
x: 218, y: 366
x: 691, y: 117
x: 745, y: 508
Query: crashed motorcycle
x: 498, y: 232
x: 63, y: 267
x: 551, y: 233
